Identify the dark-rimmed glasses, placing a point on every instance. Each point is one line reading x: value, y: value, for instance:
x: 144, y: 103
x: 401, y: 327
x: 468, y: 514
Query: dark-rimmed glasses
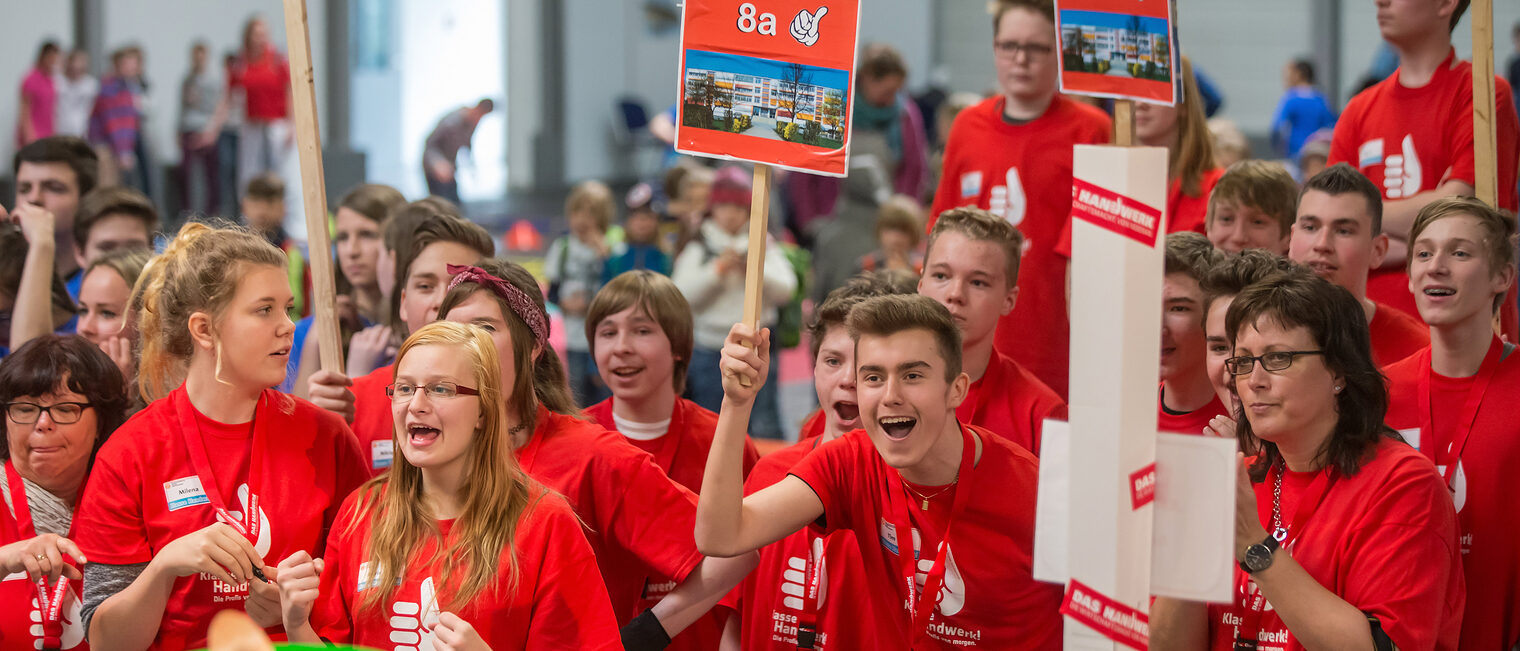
x: 403, y: 391
x: 1277, y: 360
x: 62, y: 413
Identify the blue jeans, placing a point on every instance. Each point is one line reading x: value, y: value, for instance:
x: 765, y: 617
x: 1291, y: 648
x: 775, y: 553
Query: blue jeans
x: 704, y: 386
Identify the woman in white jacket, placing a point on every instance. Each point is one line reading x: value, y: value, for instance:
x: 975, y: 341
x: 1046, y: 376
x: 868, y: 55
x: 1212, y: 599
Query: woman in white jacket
x: 710, y: 273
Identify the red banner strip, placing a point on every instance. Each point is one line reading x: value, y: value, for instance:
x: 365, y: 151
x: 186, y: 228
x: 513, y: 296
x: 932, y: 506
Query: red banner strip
x: 1115, y: 212
x: 1142, y: 486
x: 1114, y: 620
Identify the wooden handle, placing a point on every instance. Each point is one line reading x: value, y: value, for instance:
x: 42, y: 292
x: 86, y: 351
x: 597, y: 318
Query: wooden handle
x: 1485, y: 156
x: 754, y: 269
x: 1124, y: 122
x: 324, y: 305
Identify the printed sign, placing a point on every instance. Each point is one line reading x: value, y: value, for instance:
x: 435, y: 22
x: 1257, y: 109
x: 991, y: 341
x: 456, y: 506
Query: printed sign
x: 768, y: 81
x: 1123, y: 215
x: 1114, y: 620
x: 1142, y: 486
x: 1124, y: 49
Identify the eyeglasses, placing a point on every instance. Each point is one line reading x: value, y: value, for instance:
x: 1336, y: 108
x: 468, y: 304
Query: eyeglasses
x: 62, y: 413
x: 403, y: 391
x: 1277, y: 360
x: 1011, y: 49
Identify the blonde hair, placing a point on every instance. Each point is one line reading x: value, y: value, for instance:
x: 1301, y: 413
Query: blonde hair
x: 128, y: 263
x: 595, y: 198
x: 495, y: 493
x: 1194, y: 154
x: 1498, y: 231
x: 198, y: 272
x: 983, y: 226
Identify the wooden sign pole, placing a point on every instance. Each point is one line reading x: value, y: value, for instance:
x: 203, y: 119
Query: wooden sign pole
x: 1124, y: 122
x: 754, y: 268
x: 1485, y: 156
x: 313, y: 184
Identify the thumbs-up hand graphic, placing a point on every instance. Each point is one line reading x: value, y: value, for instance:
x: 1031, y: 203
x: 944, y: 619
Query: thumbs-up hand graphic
x: 805, y: 26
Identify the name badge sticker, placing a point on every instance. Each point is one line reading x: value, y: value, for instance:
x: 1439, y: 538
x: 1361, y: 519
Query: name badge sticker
x: 381, y: 453
x: 185, y: 492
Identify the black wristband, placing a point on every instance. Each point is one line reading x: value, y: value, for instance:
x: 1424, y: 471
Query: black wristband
x: 645, y: 633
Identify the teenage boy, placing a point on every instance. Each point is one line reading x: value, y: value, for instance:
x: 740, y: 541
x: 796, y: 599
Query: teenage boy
x: 1187, y: 403
x: 1455, y: 400
x: 53, y: 174
x: 640, y: 332
x: 263, y: 206
x: 1412, y: 133
x: 113, y: 218
x: 1252, y: 207
x: 1011, y: 154
x: 1339, y: 236
x: 441, y: 238
x: 770, y: 612
x: 972, y: 268
x: 942, y: 512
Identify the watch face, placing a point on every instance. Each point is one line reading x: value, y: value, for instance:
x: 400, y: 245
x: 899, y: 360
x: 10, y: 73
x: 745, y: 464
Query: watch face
x: 1258, y: 557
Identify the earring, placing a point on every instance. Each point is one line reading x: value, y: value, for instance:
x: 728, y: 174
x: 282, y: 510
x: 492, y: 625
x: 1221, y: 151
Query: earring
x: 1338, y: 388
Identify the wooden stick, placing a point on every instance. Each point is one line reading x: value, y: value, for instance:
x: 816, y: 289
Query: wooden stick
x: 1485, y: 156
x: 754, y: 270
x: 1124, y: 122
x: 324, y: 305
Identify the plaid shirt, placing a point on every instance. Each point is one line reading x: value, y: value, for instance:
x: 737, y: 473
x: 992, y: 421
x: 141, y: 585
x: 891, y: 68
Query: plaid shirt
x: 115, y: 119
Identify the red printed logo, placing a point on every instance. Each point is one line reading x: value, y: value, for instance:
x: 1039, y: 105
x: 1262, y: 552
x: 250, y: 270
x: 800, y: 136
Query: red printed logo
x: 1123, y: 215
x: 1114, y: 620
x: 1142, y: 486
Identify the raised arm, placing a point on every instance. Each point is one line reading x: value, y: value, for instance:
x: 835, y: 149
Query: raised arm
x: 728, y: 523
x: 33, y: 312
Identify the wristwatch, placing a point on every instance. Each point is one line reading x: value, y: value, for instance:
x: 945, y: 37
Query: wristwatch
x: 1258, y: 557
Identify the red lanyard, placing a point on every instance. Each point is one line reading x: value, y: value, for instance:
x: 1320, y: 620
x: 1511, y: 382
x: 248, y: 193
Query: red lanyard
x: 195, y: 444
x: 1251, y: 598
x: 49, y: 606
x: 812, y: 573
x: 1428, y: 443
x: 923, y: 604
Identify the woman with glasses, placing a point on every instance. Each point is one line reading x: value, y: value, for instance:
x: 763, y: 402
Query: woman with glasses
x: 62, y: 398
x: 1345, y: 536
x: 455, y: 545
x: 219, y: 476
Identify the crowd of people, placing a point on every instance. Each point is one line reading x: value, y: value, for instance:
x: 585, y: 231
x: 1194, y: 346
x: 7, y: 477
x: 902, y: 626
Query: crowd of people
x: 466, y: 483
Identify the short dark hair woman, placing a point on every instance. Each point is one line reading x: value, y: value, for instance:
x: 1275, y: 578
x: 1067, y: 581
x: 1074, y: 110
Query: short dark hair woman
x: 1362, y: 551
x: 62, y: 397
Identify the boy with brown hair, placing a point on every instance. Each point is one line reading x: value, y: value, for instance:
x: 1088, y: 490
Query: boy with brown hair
x: 574, y: 269
x: 1187, y: 402
x: 1252, y: 207
x: 923, y: 494
x: 263, y: 206
x: 112, y: 218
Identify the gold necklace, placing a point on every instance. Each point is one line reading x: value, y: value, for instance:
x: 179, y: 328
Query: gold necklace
x: 924, y: 499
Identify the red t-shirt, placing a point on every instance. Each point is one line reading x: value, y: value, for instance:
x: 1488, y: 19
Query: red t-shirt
x: 559, y: 602
x: 1023, y: 172
x: 266, y: 85
x: 1384, y: 540
x: 144, y: 493
x: 19, y: 627
x: 1387, y: 126
x: 1395, y: 335
x: 374, y: 425
x: 1485, y: 485
x: 640, y: 522
x: 1011, y: 402
x: 769, y: 598
x: 1191, y: 422
x: 682, y: 454
x: 813, y: 426
x: 990, y: 599
x: 1184, y: 212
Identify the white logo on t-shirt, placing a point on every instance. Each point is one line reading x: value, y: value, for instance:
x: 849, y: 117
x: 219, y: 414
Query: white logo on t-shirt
x: 1402, y: 172
x: 952, y: 592
x: 794, y: 579
x: 72, y: 620
x: 1008, y: 200
x: 262, y: 545
x: 413, y: 621
x: 1458, y: 485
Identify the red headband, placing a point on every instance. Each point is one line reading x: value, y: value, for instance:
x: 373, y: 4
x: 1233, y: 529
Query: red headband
x: 522, y: 305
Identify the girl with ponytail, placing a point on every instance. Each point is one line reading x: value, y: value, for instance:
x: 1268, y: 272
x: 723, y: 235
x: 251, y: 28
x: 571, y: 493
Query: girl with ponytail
x: 219, y: 472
